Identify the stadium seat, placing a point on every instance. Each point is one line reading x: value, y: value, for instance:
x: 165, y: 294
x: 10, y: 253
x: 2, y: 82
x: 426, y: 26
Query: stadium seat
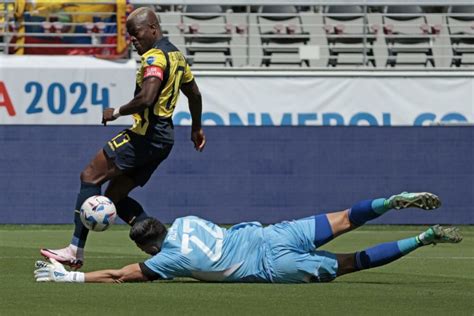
x: 206, y: 30
x: 461, y: 32
x: 407, y: 31
x: 281, y: 32
x: 348, y: 32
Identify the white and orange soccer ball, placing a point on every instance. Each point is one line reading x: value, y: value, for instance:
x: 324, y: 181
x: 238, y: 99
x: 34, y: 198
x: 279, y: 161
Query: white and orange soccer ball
x: 98, y: 213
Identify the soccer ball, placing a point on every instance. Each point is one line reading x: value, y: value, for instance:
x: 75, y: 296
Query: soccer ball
x: 98, y: 213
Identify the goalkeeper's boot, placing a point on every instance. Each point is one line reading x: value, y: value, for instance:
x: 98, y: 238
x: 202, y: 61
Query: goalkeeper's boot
x: 71, y: 256
x: 437, y: 234
x: 424, y: 200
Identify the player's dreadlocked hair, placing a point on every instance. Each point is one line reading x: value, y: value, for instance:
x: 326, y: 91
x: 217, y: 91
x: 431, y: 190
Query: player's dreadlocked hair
x: 147, y: 231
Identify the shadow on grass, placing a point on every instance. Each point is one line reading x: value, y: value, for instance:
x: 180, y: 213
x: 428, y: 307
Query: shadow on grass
x: 340, y: 282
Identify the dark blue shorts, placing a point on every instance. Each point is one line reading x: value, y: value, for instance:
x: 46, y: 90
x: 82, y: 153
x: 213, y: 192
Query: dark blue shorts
x: 135, y: 155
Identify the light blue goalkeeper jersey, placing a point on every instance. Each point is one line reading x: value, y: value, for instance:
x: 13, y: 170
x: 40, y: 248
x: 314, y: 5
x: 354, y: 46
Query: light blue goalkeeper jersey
x: 202, y: 250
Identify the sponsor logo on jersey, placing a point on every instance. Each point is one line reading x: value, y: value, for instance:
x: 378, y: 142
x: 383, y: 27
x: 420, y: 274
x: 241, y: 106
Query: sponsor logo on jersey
x: 150, y: 60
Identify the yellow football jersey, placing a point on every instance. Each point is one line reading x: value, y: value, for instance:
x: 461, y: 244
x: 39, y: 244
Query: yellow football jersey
x: 166, y: 62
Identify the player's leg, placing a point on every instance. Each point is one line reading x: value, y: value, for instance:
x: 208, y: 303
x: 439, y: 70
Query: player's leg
x: 98, y: 171
x: 117, y: 155
x: 128, y: 209
x: 388, y: 252
x: 331, y: 225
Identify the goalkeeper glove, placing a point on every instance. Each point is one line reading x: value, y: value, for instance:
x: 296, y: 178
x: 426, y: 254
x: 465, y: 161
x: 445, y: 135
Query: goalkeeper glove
x: 55, y: 272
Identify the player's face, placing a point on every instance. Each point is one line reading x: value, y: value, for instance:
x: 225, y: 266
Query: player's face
x: 142, y: 36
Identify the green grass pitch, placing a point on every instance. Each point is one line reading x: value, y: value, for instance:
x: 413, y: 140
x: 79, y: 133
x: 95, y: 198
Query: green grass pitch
x: 432, y: 281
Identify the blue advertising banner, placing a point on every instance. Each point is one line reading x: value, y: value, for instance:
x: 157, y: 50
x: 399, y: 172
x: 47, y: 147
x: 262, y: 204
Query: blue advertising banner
x: 267, y: 174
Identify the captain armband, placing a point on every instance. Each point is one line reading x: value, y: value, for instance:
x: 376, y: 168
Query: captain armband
x: 153, y: 71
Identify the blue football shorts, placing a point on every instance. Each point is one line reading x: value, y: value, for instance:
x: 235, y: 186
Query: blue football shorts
x: 292, y: 253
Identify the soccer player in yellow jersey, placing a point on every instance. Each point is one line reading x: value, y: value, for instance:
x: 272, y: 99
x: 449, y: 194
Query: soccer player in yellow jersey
x: 129, y: 159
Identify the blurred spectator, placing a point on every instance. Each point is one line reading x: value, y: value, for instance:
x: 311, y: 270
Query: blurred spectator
x: 66, y: 26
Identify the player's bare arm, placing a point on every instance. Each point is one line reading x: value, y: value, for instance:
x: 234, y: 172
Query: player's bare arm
x: 191, y: 91
x: 55, y: 272
x: 145, y: 98
x: 130, y: 273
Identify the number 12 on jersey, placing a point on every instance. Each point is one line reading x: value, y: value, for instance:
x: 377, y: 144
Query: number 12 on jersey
x: 191, y: 241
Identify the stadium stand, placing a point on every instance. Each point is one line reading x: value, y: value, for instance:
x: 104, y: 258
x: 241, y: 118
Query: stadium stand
x: 334, y: 34
x: 460, y: 24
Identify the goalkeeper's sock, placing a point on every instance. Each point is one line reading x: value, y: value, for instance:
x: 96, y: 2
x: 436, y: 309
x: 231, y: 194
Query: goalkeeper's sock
x: 385, y: 253
x: 323, y: 231
x: 367, y: 210
x: 130, y: 211
x: 80, y: 231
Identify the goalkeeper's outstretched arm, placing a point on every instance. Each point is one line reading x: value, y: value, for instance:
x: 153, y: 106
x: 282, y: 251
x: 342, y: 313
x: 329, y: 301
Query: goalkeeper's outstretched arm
x: 55, y: 272
x: 130, y: 273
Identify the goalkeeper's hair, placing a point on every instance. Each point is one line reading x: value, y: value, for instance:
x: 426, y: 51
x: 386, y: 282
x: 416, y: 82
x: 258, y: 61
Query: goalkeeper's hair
x: 147, y: 231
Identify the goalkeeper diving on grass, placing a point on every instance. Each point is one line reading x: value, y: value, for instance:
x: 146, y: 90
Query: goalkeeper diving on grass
x: 286, y: 252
